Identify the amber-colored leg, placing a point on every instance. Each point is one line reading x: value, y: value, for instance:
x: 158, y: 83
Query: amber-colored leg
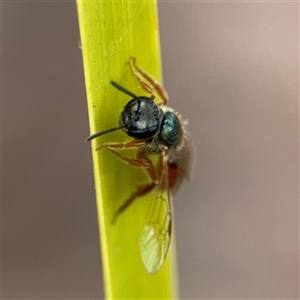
x: 142, y: 75
x: 140, y: 79
x: 140, y: 191
x: 121, y: 146
x: 141, y: 161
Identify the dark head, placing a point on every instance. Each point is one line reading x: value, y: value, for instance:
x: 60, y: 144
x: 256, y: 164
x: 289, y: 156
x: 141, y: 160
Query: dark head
x: 139, y: 119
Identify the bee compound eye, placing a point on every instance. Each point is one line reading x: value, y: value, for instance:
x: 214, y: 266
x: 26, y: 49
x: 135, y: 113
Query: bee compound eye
x: 140, y: 118
x: 171, y: 130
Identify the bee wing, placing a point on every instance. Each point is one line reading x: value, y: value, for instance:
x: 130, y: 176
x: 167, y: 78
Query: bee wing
x: 155, y: 238
x: 180, y: 166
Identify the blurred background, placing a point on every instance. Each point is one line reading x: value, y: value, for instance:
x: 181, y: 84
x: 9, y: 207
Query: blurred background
x: 232, y: 69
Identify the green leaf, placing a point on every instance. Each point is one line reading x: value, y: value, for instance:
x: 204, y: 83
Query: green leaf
x: 111, y: 33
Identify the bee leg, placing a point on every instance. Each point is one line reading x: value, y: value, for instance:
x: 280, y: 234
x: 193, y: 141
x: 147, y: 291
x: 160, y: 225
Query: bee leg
x: 121, y: 146
x: 142, y: 75
x: 140, y: 162
x: 138, y: 75
x: 140, y: 191
x: 145, y: 164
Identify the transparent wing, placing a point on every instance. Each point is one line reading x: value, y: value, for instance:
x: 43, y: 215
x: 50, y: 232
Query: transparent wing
x: 154, y: 240
x: 180, y: 166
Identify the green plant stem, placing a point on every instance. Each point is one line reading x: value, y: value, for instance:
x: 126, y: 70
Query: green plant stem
x: 112, y: 32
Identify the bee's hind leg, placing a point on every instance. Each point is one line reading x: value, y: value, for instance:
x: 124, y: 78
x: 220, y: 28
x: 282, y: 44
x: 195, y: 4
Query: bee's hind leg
x: 143, y: 162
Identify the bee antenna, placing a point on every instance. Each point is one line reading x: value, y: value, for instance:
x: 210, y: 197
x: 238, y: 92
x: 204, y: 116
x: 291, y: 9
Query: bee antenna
x: 125, y: 91
x: 122, y: 89
x: 93, y: 136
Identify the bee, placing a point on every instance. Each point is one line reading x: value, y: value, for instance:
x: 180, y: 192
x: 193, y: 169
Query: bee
x: 156, y: 129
